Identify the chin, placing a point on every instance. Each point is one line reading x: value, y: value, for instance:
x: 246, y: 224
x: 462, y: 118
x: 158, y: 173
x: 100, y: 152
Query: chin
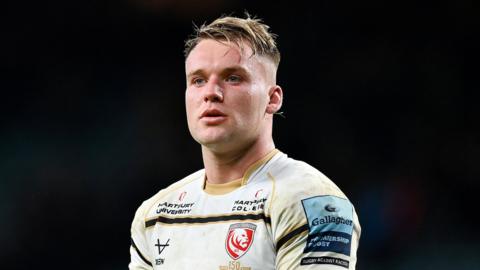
x: 212, y: 142
x: 210, y: 139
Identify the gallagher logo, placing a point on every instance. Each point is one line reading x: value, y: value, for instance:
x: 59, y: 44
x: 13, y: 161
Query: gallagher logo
x: 331, y: 208
x: 239, y: 239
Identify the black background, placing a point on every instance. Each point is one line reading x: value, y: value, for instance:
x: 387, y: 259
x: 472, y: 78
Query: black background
x: 381, y: 96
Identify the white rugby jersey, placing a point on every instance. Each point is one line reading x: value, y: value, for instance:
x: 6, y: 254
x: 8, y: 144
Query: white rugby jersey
x: 284, y: 214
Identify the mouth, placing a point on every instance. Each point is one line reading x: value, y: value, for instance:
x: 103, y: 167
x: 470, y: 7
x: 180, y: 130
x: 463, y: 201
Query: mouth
x: 213, y: 116
x: 212, y: 113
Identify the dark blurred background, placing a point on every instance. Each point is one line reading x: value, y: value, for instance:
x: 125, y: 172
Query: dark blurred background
x: 381, y: 96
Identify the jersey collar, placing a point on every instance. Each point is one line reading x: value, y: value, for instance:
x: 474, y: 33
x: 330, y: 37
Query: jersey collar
x: 220, y: 189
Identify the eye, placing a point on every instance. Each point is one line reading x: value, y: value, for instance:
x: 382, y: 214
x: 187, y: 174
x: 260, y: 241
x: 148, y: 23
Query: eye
x: 198, y: 81
x: 234, y: 79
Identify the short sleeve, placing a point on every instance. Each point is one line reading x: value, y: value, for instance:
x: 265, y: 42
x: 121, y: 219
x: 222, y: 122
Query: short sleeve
x: 314, y: 227
x: 139, y: 259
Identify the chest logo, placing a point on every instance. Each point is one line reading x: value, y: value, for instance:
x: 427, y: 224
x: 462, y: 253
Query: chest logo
x: 239, y: 239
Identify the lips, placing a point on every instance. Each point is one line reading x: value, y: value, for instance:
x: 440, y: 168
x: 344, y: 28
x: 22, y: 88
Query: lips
x: 212, y: 113
x: 213, y: 116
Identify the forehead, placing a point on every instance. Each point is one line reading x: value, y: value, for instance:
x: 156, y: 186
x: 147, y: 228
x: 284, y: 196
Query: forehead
x: 210, y: 54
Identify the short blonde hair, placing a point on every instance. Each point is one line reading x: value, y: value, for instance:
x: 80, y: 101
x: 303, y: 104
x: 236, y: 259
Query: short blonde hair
x: 237, y: 30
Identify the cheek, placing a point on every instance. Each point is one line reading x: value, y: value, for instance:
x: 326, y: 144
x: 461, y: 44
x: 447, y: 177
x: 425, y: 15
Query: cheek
x: 189, y: 103
x: 190, y: 96
x: 257, y: 105
x: 251, y: 109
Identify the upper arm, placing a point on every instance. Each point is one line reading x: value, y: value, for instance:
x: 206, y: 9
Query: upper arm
x: 139, y: 254
x: 314, y: 227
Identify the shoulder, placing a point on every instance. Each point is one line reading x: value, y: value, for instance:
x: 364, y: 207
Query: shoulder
x: 147, y: 205
x: 309, y: 213
x: 301, y: 190
x: 295, y: 179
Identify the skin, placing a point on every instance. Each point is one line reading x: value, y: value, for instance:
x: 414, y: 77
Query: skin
x: 230, y: 99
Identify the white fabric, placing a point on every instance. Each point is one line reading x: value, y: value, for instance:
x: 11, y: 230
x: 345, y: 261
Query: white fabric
x: 183, y: 227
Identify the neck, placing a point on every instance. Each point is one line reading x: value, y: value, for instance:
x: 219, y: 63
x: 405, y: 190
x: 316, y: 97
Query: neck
x: 231, y: 165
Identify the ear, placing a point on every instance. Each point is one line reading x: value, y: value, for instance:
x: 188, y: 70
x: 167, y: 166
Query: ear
x: 275, y: 99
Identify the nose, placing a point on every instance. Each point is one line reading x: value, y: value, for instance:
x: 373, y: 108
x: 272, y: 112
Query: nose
x: 213, y: 92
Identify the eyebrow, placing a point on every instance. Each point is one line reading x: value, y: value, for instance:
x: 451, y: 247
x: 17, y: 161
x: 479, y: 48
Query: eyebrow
x: 195, y: 72
x: 234, y: 69
x: 222, y: 72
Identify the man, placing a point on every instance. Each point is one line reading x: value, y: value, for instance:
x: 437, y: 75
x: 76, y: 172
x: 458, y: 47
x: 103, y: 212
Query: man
x: 252, y: 207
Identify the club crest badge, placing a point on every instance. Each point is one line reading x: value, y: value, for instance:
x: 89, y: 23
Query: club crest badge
x: 239, y: 239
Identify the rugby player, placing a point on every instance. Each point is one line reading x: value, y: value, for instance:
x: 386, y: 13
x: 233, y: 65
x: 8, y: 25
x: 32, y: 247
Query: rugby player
x: 252, y: 206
